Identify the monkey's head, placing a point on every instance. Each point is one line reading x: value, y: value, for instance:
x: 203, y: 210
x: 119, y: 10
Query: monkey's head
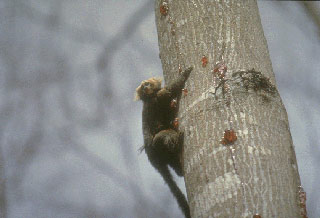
x: 148, y: 88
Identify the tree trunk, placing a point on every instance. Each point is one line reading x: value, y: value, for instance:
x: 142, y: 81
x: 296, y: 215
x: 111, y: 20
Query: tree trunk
x: 239, y: 159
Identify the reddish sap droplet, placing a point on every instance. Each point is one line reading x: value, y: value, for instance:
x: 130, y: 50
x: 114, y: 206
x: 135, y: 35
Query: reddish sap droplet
x: 257, y: 216
x: 164, y: 9
x: 204, y: 61
x: 229, y: 137
x: 302, y: 203
x: 221, y: 68
x: 185, y: 92
x: 176, y: 123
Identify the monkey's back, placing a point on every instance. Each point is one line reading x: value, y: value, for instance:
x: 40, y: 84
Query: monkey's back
x: 157, y: 115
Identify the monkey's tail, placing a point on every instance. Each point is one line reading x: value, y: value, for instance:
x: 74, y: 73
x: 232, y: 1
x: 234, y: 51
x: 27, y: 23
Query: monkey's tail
x: 182, y: 202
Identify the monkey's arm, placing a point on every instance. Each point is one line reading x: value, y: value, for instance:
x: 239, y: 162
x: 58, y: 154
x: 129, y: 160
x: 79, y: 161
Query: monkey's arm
x: 175, y: 88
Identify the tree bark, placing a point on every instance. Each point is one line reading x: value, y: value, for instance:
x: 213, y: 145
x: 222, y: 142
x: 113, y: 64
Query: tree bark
x: 253, y: 170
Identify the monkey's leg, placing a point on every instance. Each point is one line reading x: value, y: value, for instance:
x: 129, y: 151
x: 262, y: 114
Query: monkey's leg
x: 164, y: 151
x: 166, y: 141
x: 168, y: 144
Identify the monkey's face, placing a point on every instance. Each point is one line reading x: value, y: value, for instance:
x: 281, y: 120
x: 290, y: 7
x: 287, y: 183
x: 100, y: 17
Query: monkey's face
x: 148, y: 88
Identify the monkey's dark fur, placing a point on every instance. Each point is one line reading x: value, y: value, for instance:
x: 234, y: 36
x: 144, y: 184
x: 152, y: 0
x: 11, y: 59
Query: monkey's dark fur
x: 162, y: 142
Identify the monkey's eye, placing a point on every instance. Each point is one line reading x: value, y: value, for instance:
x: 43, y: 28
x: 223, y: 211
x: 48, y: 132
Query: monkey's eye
x: 147, y: 85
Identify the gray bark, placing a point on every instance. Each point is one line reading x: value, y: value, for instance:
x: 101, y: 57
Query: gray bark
x: 258, y: 173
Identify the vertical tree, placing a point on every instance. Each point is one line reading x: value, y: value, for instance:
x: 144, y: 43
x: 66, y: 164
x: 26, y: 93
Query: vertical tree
x: 239, y: 159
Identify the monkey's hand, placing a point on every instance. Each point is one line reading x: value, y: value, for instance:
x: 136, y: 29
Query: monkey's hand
x: 176, y: 87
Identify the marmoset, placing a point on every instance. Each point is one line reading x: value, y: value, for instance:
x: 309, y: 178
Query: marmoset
x: 162, y: 141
